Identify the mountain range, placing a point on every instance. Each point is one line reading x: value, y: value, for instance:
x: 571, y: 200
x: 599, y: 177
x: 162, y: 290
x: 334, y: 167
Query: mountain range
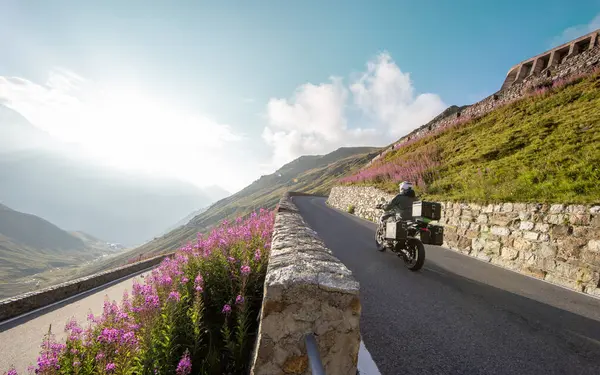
x: 30, y: 245
x: 48, y: 178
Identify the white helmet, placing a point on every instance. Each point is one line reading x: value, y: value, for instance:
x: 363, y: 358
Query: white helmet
x: 405, y: 185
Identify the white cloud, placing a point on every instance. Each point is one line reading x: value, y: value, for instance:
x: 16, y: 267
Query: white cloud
x: 388, y: 94
x: 123, y: 128
x: 576, y: 31
x: 316, y: 119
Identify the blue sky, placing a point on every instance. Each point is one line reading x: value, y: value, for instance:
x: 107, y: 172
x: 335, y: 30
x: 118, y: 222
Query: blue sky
x: 243, y: 64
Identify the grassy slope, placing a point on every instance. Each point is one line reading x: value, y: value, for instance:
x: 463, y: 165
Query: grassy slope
x: 540, y: 149
x: 36, y: 232
x: 30, y: 245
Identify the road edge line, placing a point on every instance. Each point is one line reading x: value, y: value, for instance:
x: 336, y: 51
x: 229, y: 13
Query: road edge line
x: 369, y: 367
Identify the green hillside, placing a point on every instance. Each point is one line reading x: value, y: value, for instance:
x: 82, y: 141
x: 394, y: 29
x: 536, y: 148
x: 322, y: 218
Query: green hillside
x: 30, y: 246
x: 32, y: 231
x: 311, y: 174
x: 543, y: 148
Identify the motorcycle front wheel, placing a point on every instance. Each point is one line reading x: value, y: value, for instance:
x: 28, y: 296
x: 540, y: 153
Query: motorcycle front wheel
x: 417, y: 254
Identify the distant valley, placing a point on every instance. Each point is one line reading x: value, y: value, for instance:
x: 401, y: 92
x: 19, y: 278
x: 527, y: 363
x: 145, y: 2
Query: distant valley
x: 64, y: 216
x: 44, y: 177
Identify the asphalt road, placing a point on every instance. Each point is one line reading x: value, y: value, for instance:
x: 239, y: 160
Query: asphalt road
x: 20, y: 339
x: 458, y: 315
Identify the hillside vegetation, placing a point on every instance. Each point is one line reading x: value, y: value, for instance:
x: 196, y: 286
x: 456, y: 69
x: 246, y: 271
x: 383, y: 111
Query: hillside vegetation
x: 543, y: 148
x: 314, y: 174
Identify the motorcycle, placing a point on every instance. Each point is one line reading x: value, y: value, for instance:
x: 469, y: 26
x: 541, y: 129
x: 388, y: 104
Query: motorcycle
x: 402, y: 237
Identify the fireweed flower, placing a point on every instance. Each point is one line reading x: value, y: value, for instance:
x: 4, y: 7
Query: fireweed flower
x: 110, y: 367
x: 245, y: 270
x: 76, y: 364
x: 231, y: 259
x: 198, y: 283
x: 174, y: 296
x: 239, y: 299
x: 184, y: 280
x: 166, y: 280
x: 152, y: 301
x: 12, y: 371
x: 257, y: 255
x: 185, y: 365
x: 226, y: 309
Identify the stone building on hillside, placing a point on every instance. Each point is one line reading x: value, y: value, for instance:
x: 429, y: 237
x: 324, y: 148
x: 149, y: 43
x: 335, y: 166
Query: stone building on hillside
x: 544, y: 63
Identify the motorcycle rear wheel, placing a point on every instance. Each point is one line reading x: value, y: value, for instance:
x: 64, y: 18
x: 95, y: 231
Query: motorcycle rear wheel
x: 379, y: 242
x: 415, y: 247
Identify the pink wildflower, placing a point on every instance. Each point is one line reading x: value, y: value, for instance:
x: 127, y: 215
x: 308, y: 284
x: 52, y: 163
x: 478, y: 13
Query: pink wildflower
x: 198, y: 283
x: 185, y: 365
x: 226, y: 309
x: 174, y: 296
x: 245, y: 270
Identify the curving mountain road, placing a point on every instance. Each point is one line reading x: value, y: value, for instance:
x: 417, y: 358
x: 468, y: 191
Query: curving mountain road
x: 458, y: 315
x: 20, y: 338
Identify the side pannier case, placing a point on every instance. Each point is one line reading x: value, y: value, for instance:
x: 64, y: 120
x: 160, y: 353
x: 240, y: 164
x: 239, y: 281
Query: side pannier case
x: 433, y: 236
x: 428, y: 210
x: 396, y: 231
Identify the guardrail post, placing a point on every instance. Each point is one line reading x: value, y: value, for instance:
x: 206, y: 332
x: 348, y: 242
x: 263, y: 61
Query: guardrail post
x: 314, y: 357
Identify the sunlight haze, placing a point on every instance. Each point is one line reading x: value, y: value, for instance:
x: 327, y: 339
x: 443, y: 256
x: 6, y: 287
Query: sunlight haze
x: 215, y: 94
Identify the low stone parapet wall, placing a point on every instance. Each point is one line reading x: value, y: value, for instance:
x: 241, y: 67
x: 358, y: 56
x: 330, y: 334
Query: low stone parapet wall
x: 24, y: 303
x: 307, y: 290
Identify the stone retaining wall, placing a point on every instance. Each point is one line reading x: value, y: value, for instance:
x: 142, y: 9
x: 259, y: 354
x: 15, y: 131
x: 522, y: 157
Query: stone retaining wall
x: 556, y: 243
x: 24, y: 303
x: 307, y: 290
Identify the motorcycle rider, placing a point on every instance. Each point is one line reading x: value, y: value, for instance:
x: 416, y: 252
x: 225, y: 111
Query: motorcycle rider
x: 402, y: 203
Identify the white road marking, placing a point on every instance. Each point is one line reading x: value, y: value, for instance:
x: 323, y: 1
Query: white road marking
x: 366, y: 365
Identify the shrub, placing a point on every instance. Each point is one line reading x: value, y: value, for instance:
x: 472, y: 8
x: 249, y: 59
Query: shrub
x: 351, y: 209
x: 197, y: 311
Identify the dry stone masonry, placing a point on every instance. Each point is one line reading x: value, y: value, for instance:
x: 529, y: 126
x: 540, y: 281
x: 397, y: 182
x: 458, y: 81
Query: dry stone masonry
x: 557, y: 243
x: 307, y: 290
x: 579, y: 56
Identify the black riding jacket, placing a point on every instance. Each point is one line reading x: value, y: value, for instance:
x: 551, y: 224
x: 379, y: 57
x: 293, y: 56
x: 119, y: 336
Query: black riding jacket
x: 402, y: 204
